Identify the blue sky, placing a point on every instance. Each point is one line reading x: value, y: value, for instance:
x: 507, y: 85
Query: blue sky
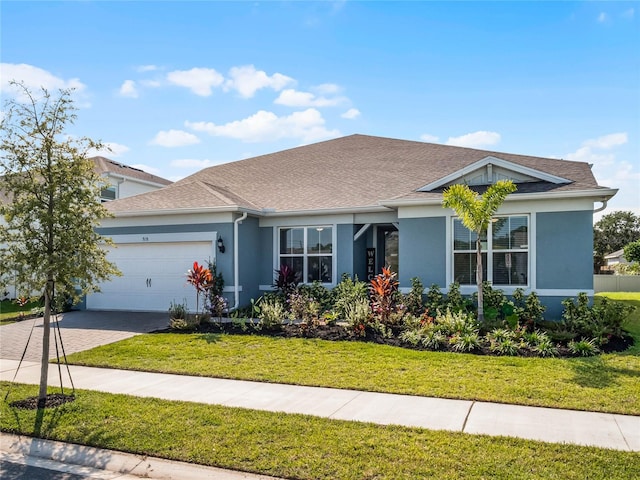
x: 173, y: 87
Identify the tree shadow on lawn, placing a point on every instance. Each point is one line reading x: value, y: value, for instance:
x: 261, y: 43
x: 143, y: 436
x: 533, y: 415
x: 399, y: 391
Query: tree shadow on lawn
x: 209, y: 337
x: 593, y: 372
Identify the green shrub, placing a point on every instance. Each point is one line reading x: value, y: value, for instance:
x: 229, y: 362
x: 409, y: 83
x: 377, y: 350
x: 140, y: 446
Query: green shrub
x: 528, y: 307
x: 500, y: 334
x: 455, y: 301
x: 320, y: 294
x: 434, y: 339
x: 465, y: 341
x: 358, y: 316
x: 434, y: 299
x: 456, y: 322
x: 181, y: 324
x: 584, y: 348
x: 411, y: 337
x: 413, y: 300
x: 178, y: 311
x: 347, y: 293
x: 598, y: 321
x: 272, y: 314
x: 545, y: 348
x: 506, y: 346
x: 303, y: 307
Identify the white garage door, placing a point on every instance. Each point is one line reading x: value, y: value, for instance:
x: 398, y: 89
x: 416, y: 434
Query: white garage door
x: 153, y: 275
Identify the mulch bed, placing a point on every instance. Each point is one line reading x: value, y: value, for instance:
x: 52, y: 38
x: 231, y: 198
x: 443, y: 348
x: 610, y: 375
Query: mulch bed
x: 340, y: 333
x: 53, y: 400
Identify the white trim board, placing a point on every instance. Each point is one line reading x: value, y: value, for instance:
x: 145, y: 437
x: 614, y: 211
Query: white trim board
x: 498, y: 162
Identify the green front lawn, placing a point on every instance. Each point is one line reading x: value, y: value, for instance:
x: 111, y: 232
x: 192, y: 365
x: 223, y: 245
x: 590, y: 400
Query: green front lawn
x: 606, y: 383
x: 303, y: 447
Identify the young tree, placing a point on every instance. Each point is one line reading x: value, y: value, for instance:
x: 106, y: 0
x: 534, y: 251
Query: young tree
x: 476, y: 212
x: 51, y: 206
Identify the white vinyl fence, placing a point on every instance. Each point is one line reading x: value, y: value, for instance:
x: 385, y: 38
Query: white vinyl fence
x: 616, y: 283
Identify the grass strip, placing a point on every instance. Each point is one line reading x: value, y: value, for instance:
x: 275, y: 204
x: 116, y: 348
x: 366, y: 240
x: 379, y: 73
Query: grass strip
x: 302, y: 447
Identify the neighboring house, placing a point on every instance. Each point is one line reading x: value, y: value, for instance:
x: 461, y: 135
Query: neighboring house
x: 615, y: 258
x: 352, y: 205
x: 124, y: 181
x: 121, y: 181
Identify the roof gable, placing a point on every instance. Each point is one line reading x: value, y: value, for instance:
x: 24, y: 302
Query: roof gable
x: 489, y: 170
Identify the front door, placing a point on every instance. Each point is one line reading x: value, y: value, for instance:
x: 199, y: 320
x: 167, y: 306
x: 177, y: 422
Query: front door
x: 390, y: 247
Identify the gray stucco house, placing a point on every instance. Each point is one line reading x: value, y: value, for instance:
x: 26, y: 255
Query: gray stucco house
x: 351, y: 205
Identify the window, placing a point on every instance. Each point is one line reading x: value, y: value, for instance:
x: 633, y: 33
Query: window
x: 309, y: 252
x: 107, y: 194
x: 505, y: 252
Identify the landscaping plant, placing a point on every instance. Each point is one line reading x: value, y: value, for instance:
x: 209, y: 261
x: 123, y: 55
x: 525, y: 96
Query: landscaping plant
x: 201, y: 279
x: 382, y: 292
x: 476, y: 212
x: 413, y: 300
x: 348, y: 292
x: 286, y: 280
x: 272, y: 314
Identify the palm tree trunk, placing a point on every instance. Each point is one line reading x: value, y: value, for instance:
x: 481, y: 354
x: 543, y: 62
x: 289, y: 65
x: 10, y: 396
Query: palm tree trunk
x: 46, y: 336
x: 479, y: 280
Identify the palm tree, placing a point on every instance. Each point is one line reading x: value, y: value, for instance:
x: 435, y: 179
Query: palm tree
x: 476, y: 212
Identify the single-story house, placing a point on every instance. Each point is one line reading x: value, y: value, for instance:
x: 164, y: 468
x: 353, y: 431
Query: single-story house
x: 352, y: 205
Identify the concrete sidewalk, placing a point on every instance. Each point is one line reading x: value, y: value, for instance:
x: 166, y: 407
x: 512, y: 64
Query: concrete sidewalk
x: 618, y: 432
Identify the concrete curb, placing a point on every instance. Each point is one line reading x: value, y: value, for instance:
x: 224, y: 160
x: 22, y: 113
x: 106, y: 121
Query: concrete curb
x: 108, y: 464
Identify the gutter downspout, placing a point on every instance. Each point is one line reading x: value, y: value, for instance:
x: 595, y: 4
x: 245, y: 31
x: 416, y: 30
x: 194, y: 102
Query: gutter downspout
x: 236, y: 269
x: 604, y: 205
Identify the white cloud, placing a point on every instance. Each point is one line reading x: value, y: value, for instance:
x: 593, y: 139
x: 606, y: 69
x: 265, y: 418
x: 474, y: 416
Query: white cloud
x: 607, y: 141
x: 610, y: 171
x: 294, y: 98
x: 146, y: 68
x: 327, y: 89
x: 307, y: 125
x: 475, y: 139
x: 198, y: 80
x: 150, y: 83
x: 174, y: 138
x: 629, y: 13
x: 602, y: 17
x: 34, y: 79
x: 246, y: 80
x: 147, y: 168
x: 128, y: 89
x: 191, y: 163
x: 110, y: 149
x: 351, y: 114
x: 425, y: 137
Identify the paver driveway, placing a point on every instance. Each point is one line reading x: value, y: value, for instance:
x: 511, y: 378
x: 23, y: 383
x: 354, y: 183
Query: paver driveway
x: 79, y: 330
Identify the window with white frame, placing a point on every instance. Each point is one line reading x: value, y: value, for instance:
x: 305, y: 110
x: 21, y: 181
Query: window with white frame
x: 308, y: 251
x: 505, y: 252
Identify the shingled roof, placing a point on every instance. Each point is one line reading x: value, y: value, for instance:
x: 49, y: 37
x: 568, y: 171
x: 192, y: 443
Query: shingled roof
x: 357, y: 172
x: 105, y: 165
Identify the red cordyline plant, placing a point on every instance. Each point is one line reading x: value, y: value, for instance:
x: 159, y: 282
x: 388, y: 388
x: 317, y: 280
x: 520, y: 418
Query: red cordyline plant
x: 201, y: 278
x: 382, y: 289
